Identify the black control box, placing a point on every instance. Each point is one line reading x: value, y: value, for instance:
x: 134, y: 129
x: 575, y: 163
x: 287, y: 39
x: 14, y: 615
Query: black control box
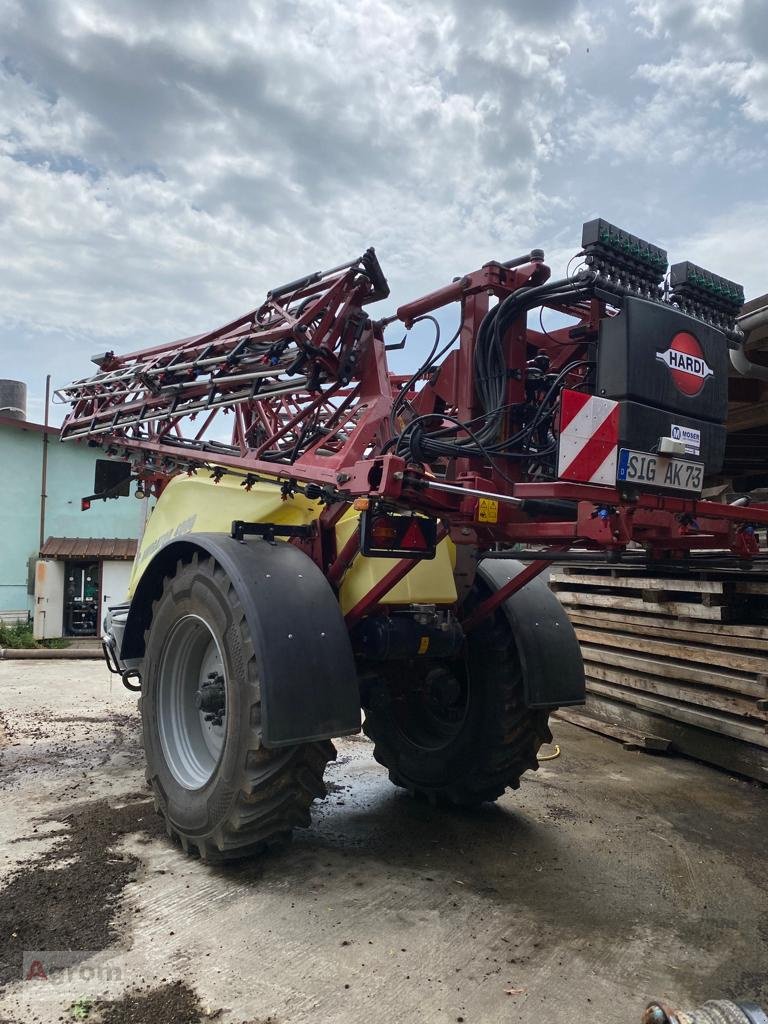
x: 653, y: 354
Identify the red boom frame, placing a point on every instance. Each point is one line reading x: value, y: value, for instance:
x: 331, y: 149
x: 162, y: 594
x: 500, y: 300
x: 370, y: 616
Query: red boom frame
x: 306, y: 381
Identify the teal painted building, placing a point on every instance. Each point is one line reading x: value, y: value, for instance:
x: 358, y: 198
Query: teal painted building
x: 69, y: 477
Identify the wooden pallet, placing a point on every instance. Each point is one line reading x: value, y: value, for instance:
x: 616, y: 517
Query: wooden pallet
x: 677, y: 650
x: 724, y: 597
x: 606, y: 714
x: 632, y: 739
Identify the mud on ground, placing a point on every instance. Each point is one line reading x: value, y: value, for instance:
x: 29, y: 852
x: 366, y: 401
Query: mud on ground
x: 173, y: 1001
x: 610, y: 878
x: 68, y: 897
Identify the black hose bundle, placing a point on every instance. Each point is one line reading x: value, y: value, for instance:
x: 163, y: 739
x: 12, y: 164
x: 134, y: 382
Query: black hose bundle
x: 482, y: 435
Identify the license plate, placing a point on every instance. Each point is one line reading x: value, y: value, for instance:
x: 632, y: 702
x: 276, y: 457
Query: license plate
x: 647, y: 470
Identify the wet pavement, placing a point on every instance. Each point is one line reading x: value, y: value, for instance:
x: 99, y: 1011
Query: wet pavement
x: 609, y: 878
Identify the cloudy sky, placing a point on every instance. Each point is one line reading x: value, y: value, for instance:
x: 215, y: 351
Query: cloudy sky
x: 163, y: 162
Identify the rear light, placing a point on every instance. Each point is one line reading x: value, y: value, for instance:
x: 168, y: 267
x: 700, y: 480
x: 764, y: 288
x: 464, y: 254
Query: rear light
x: 389, y: 535
x: 383, y: 532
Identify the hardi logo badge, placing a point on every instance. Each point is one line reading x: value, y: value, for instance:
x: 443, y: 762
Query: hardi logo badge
x: 686, y: 363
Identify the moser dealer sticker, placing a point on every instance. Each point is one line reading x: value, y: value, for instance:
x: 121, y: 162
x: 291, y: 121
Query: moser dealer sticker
x: 686, y: 362
x: 690, y: 437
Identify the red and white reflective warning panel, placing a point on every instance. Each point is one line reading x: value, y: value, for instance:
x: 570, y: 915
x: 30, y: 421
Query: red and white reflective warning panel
x: 589, y: 437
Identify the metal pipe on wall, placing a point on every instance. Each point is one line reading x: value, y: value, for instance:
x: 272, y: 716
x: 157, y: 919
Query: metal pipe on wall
x: 44, y: 475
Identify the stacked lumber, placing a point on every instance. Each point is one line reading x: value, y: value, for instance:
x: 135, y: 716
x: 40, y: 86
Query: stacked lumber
x: 675, y: 661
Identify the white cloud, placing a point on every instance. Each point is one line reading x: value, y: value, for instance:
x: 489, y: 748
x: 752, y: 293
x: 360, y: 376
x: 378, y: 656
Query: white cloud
x: 666, y: 17
x: 721, y: 51
x: 690, y: 80
x: 160, y: 169
x: 733, y: 242
x: 752, y: 86
x: 692, y: 104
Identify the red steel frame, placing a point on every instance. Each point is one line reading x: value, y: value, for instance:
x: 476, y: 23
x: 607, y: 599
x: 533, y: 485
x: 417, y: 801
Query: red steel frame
x: 305, y: 380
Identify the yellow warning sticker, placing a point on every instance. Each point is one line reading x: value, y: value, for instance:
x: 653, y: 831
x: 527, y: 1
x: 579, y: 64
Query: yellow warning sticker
x: 488, y: 510
x: 424, y: 645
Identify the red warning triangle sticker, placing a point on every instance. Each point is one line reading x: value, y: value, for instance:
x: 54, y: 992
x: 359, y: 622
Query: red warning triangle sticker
x: 413, y: 538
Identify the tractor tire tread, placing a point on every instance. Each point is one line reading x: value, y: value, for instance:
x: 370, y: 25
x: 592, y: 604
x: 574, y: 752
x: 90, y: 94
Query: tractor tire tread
x: 503, y: 750
x: 276, y: 787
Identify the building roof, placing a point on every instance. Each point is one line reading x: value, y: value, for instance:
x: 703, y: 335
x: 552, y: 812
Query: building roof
x: 93, y: 548
x: 40, y: 428
x: 754, y: 304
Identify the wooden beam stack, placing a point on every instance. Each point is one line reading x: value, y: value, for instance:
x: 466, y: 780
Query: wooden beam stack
x: 681, y: 661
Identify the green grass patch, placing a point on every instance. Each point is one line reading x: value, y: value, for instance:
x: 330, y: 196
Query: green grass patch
x: 19, y: 636
x: 81, y: 1008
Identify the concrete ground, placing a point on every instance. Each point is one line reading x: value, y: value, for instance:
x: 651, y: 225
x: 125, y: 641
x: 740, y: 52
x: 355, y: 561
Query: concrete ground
x: 610, y: 878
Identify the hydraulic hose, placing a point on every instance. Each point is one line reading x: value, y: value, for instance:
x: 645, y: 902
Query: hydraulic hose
x: 423, y: 445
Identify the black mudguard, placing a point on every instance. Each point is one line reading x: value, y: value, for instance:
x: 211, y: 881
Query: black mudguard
x: 553, y: 669
x: 309, y: 688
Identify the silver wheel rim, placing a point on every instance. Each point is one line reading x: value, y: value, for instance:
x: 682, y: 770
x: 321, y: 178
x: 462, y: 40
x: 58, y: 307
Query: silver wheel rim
x: 192, y: 737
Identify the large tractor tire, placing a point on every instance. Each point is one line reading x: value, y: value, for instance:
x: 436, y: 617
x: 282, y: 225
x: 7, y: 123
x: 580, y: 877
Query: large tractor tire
x: 222, y: 794
x: 455, y: 731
